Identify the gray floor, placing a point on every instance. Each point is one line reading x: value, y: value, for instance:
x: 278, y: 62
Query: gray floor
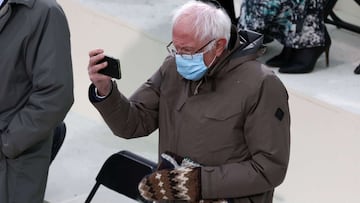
x: 89, y: 142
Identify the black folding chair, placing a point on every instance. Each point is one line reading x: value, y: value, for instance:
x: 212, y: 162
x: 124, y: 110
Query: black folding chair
x: 122, y: 172
x: 332, y: 18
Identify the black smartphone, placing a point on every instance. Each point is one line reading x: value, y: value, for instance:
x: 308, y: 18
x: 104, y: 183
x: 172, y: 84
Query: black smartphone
x: 112, y: 69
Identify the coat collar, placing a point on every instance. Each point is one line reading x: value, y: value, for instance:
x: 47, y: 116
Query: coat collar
x: 28, y: 3
x: 239, y: 51
x: 6, y: 10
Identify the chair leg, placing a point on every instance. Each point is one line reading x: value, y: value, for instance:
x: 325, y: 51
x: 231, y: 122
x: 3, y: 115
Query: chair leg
x: 339, y: 23
x: 92, y: 193
x: 331, y: 18
x: 328, y: 7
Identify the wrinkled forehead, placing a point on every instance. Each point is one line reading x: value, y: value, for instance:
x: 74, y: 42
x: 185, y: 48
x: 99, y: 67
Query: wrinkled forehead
x: 184, y: 30
x: 184, y: 26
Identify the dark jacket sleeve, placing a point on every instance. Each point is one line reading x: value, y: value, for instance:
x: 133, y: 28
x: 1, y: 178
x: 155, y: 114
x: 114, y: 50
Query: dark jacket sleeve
x: 133, y: 117
x: 48, y: 62
x: 267, y: 134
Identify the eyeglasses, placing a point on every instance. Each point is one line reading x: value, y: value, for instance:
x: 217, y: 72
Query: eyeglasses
x: 172, y: 50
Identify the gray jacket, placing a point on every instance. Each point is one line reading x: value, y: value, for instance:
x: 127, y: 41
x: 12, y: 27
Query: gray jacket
x: 235, y: 122
x: 36, y: 92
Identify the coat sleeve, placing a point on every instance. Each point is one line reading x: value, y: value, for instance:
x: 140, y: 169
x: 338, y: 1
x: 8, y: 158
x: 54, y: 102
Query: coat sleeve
x: 267, y: 134
x: 133, y: 117
x: 49, y: 66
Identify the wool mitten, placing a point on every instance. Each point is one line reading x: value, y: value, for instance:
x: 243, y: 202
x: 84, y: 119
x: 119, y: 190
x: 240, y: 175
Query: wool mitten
x: 183, y: 183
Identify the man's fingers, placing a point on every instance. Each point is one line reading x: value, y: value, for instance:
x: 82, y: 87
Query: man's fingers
x: 95, y: 52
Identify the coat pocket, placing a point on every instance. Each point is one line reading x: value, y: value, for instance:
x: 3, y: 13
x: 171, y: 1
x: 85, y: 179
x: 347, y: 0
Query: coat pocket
x: 222, y: 114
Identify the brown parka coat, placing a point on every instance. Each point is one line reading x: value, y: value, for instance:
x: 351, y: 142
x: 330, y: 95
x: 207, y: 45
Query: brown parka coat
x: 235, y: 122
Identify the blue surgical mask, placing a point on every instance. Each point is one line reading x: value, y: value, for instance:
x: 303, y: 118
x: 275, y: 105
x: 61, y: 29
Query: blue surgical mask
x: 191, y: 67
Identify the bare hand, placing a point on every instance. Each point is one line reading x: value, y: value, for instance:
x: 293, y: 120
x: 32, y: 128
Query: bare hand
x: 101, y: 82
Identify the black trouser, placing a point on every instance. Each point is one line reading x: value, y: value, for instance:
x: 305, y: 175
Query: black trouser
x: 59, y: 136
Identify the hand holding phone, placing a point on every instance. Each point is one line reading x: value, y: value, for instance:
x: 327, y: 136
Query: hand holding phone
x: 113, y: 67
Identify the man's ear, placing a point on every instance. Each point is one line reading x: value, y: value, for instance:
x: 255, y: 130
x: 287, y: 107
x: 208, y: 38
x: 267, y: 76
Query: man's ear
x: 220, y: 46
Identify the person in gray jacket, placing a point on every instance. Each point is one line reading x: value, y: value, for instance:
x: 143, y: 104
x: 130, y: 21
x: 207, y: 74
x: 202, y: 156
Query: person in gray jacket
x: 36, y: 92
x: 223, y: 117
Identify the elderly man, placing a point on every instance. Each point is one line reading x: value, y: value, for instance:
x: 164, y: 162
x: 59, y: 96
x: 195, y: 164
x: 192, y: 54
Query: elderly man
x: 223, y: 117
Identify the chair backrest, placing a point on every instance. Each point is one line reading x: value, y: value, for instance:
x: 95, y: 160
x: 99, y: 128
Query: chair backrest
x: 123, y: 171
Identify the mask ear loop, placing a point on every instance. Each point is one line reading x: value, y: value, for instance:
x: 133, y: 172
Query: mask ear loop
x: 212, y: 62
x: 212, y: 46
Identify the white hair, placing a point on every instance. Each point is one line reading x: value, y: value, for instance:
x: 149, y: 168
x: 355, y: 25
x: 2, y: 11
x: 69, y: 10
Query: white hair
x: 209, y: 21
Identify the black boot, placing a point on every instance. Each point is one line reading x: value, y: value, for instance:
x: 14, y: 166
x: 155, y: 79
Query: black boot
x: 281, y: 59
x: 304, y: 60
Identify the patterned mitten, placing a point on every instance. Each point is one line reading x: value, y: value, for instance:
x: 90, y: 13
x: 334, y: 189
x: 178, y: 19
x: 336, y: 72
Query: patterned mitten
x: 183, y: 183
